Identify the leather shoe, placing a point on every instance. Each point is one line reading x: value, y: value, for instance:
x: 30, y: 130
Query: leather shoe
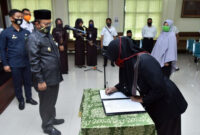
x: 52, y: 131
x: 31, y: 101
x: 21, y: 105
x: 58, y: 121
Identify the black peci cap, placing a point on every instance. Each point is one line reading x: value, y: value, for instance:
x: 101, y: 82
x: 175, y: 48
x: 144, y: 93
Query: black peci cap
x: 42, y: 14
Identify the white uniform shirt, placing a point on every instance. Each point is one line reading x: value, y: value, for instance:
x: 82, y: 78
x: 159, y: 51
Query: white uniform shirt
x: 27, y: 26
x: 149, y: 32
x: 108, y: 36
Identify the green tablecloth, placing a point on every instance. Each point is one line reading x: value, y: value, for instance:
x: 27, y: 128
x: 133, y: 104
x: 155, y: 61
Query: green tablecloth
x: 95, y: 122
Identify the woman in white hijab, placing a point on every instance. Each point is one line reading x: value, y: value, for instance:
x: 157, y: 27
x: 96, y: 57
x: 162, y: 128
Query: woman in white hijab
x: 165, y: 49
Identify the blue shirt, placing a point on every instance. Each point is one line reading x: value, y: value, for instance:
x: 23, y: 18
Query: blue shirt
x: 12, y: 47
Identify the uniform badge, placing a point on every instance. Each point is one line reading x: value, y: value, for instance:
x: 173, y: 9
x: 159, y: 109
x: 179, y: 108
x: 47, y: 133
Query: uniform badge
x: 49, y: 49
x: 14, y: 37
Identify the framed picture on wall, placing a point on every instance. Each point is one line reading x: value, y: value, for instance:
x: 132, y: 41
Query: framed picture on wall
x: 190, y: 9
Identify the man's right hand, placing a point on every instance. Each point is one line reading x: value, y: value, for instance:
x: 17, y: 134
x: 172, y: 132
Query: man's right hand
x: 7, y: 68
x: 42, y: 86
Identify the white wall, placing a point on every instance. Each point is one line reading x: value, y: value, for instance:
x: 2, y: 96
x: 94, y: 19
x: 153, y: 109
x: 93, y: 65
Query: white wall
x: 116, y: 11
x: 185, y: 24
x: 60, y: 10
x: 171, y: 10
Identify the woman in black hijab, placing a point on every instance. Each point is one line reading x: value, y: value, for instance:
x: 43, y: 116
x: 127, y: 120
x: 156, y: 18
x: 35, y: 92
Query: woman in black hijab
x: 61, y: 37
x: 160, y: 96
x: 91, y: 49
x: 79, y: 44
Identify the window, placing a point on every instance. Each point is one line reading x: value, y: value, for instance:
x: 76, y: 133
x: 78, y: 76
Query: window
x: 138, y: 11
x: 96, y: 10
x: 32, y: 5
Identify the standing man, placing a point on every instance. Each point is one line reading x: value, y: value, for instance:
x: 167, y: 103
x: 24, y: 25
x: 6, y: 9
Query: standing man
x: 148, y: 33
x: 27, y: 25
x: 45, y: 67
x: 108, y: 34
x: 15, y: 58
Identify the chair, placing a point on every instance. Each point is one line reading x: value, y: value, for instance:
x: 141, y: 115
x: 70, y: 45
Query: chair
x: 190, y: 45
x: 196, y: 52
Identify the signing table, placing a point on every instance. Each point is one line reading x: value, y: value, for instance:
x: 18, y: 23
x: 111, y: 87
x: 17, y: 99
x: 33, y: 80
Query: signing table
x: 95, y: 122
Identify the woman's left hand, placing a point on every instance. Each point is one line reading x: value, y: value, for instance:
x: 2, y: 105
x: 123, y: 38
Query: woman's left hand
x: 136, y: 99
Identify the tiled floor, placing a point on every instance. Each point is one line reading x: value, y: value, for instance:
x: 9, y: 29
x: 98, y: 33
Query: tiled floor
x: 28, y: 122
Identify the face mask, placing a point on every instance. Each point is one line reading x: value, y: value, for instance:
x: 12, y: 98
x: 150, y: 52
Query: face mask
x: 59, y: 25
x: 149, y: 23
x: 166, y: 28
x: 18, y: 21
x: 27, y: 18
x: 108, y: 24
x: 120, y: 62
x: 91, y: 25
x: 45, y: 30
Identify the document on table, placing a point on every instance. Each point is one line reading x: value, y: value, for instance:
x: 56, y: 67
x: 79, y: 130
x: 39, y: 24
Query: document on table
x: 122, y: 106
x: 115, y: 95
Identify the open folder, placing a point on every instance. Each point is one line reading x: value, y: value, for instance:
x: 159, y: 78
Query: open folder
x: 118, y: 103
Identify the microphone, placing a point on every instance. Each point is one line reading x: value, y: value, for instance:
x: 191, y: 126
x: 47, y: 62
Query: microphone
x: 74, y: 29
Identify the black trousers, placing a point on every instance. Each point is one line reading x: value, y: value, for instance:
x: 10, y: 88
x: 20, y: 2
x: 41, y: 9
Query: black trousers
x: 47, y: 108
x: 147, y: 44
x: 169, y: 127
x: 167, y: 70
x: 22, y: 75
x: 105, y: 58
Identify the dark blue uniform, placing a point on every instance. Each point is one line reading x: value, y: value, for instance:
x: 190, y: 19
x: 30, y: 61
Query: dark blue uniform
x: 13, y: 54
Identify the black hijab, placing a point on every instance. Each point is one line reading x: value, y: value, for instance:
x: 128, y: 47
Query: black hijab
x: 78, y: 21
x: 59, y: 27
x: 127, y: 49
x: 92, y: 23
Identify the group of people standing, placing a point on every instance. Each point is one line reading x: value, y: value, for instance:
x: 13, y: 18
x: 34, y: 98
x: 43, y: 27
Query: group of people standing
x: 108, y: 34
x: 30, y: 53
